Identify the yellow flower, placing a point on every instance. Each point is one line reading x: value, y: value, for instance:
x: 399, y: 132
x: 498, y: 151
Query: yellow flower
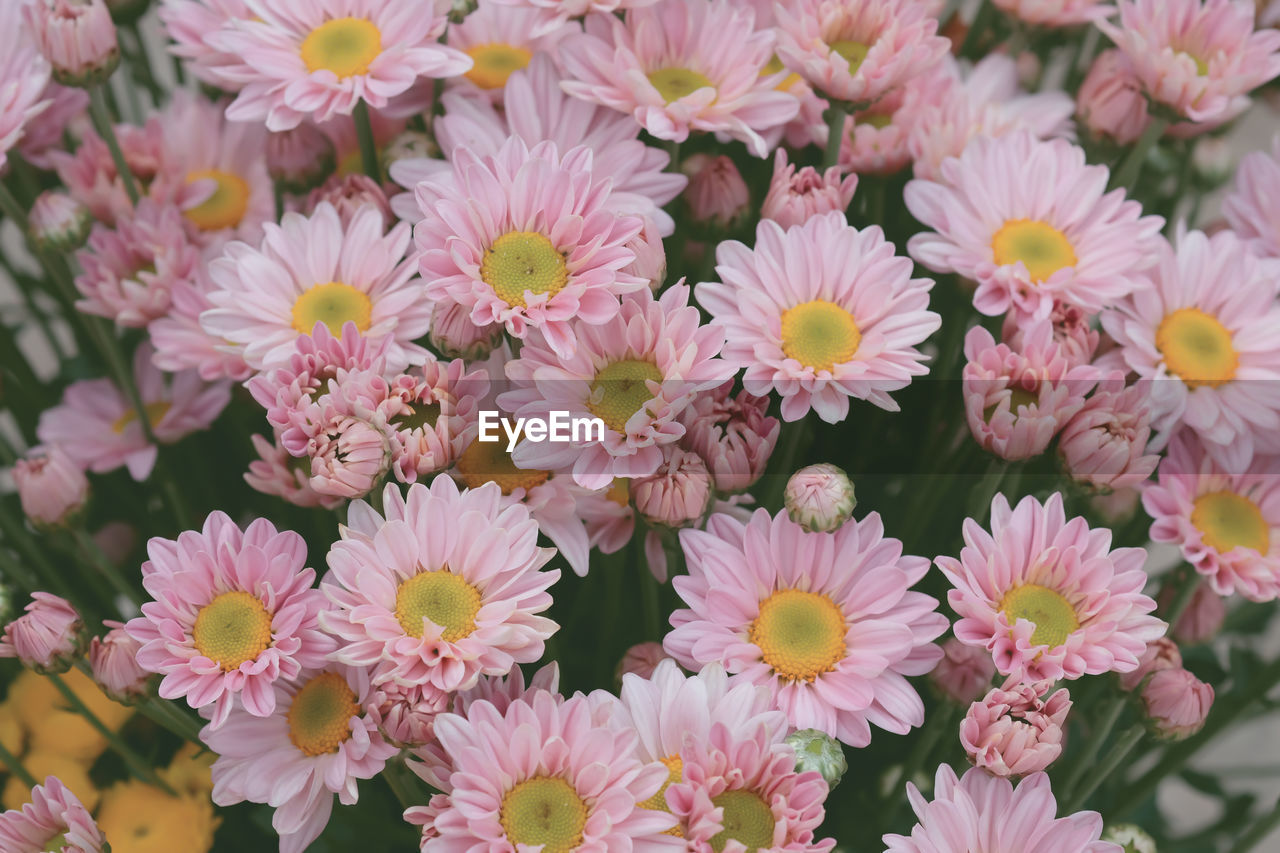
x: 138, y: 818
x: 190, y: 771
x: 42, y: 711
x: 72, y: 773
x: 12, y: 734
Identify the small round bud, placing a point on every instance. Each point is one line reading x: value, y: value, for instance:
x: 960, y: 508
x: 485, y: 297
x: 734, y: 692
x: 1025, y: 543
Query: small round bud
x: 1177, y: 703
x: 816, y: 750
x: 48, y: 637
x: 717, y: 195
x: 58, y: 222
x: 78, y: 38
x: 114, y: 660
x: 1134, y: 839
x: 300, y: 158
x: 641, y: 659
x: 820, y: 498
x: 677, y: 494
x: 51, y: 487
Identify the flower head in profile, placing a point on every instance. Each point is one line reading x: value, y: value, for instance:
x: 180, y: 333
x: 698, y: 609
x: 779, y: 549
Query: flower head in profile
x: 54, y: 819
x: 90, y: 176
x: 47, y: 637
x: 1015, y: 731
x: 51, y: 487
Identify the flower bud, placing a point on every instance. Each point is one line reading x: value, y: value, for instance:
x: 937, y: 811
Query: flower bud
x: 455, y: 336
x: 411, y: 145
x: 48, y: 637
x: 349, y: 458
x: 651, y: 256
x: 78, y: 38
x: 1013, y: 732
x: 641, y: 659
x: 406, y: 715
x: 1110, y: 101
x: 114, y: 660
x: 300, y: 158
x: 1176, y: 703
x: 734, y: 435
x: 1202, y: 618
x: 795, y: 197
x: 1131, y: 838
x: 58, y: 222
x: 1161, y: 654
x: 820, y: 498
x: 51, y: 487
x: 964, y: 673
x: 817, y: 750
x: 677, y: 494
x: 1104, y: 444
x: 717, y: 195
x: 349, y: 194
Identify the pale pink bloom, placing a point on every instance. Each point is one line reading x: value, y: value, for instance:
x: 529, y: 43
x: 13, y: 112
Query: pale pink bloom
x: 1199, y: 58
x: 717, y: 195
x: 1176, y: 703
x: 733, y: 434
x: 233, y: 613
x: 181, y: 343
x: 876, y: 140
x: 433, y: 416
x: 1047, y: 596
x: 24, y: 79
x: 1033, y: 224
x: 47, y: 637
x: 1055, y: 13
x: 443, y: 589
x: 77, y: 37
x: 51, y: 487
x: 1227, y: 524
x: 637, y: 373
x: 1163, y: 653
x: 349, y: 194
x: 563, y: 10
x: 651, y: 255
x: 44, y: 131
x: 349, y: 456
x: 319, y: 740
x: 311, y: 271
x: 794, y: 198
x: 130, y: 271
x: 98, y: 427
x: 406, y: 715
x: 1073, y: 332
x: 90, y: 174
x: 984, y: 812
x: 1014, y: 731
x: 300, y: 59
x: 192, y: 26
x: 1204, y: 334
x: 54, y: 819
x: 859, y: 52
x: 301, y: 157
x: 525, y: 238
x: 455, y: 336
x: 501, y: 38
x: 114, y: 660
x: 1252, y: 208
x: 1110, y: 102
x: 820, y: 498
x: 869, y: 630
x: 741, y: 788
x: 57, y: 222
x: 820, y: 313
x: 277, y: 472
x: 964, y: 672
x: 677, y: 494
x: 680, y: 67
x: 1104, y: 444
x: 641, y: 660
x: 1203, y: 617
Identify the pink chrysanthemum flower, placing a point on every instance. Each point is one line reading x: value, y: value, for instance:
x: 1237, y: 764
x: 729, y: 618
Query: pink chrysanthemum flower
x: 964, y: 672
x: 192, y: 26
x: 310, y: 271
x: 300, y: 59
x: 795, y: 198
x: 1047, y: 596
x: 1226, y: 523
x: 680, y: 67
x: 820, y: 313
x: 432, y: 413
x: 1104, y: 444
x: 24, y: 78
x: 1176, y: 703
x: 51, y: 487
x: 444, y: 588
x: 349, y: 194
x: 1205, y: 334
x: 129, y: 272
x: 114, y: 662
x: 1051, y: 233
x: 1015, y: 731
x: 1073, y: 332
x: 54, y: 819
x: 234, y: 612
x: 181, y: 343
x: 318, y: 741
x: 1055, y: 13
x: 47, y: 637
x: 90, y: 173
x: 98, y: 427
x: 501, y: 39
x: 733, y: 434
x: 858, y: 52
x: 1252, y: 208
x: 1197, y: 58
x: 545, y: 775
x: 636, y: 373
x: 526, y: 239
x: 277, y: 472
x: 742, y: 792
x: 985, y: 812
x: 866, y: 630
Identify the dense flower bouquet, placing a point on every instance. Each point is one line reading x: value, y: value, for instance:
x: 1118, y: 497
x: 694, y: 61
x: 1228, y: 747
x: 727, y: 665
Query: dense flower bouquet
x: 439, y: 425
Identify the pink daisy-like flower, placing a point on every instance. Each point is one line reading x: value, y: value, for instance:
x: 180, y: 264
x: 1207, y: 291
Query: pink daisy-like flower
x: 444, y: 588
x: 1051, y: 233
x: 1073, y: 332
x: 193, y: 26
x: 680, y: 67
x: 1055, y: 13
x: 1047, y: 596
x: 858, y: 52
x: 795, y: 198
x: 349, y: 455
x: 47, y: 637
x: 1104, y: 444
x: 54, y: 819
x: 114, y: 661
x: 1176, y: 703
x: 43, y: 132
x: 750, y: 584
x: 733, y: 434
x: 1204, y: 333
x: 318, y: 741
x: 24, y: 78
x: 234, y: 612
x: 525, y: 239
x: 433, y: 413
x: 717, y: 194
x: 1015, y: 732
x: 820, y: 313
x: 98, y: 427
x: 636, y: 373
x: 1198, y: 58
x: 301, y: 59
x: 277, y: 472
x: 349, y: 194
x: 1226, y: 523
x: 1109, y: 102
x: 984, y: 812
x: 310, y: 271
x: 545, y: 775
x: 501, y: 39
x: 1252, y: 208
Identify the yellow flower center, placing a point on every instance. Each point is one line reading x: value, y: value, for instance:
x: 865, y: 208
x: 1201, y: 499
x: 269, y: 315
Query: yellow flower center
x: 1197, y: 348
x: 444, y: 598
x: 320, y: 716
x: 675, y: 83
x: 1228, y: 520
x: 155, y: 414
x: 773, y: 66
x: 619, y: 491
x: 333, y: 304
x: 1042, y: 248
x: 747, y: 820
x: 675, y: 772
x: 1019, y: 397
x: 800, y: 634
x: 1202, y: 66
x: 494, y: 63
x: 546, y: 811
x: 877, y: 120
x: 620, y: 390
x: 819, y: 334
x: 853, y: 51
x: 345, y: 46
x: 489, y: 461
x: 141, y: 818
x: 520, y: 262
x: 226, y: 207
x: 1053, y: 615
x: 233, y: 628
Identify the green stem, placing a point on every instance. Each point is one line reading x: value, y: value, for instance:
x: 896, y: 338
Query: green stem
x: 980, y: 21
x: 396, y: 773
x: 1127, y: 175
x: 836, y: 114
x: 793, y: 435
x: 143, y: 66
x: 980, y: 500
x: 1101, y: 772
x: 1188, y: 582
x: 102, y: 123
x: 648, y: 588
x: 673, y: 155
x: 90, y: 550
x: 15, y: 767
x: 1084, y: 760
x: 13, y: 570
x: 1261, y: 828
x: 368, y: 147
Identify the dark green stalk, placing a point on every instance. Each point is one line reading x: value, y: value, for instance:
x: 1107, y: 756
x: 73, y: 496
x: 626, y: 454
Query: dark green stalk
x: 368, y: 147
x: 102, y: 123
